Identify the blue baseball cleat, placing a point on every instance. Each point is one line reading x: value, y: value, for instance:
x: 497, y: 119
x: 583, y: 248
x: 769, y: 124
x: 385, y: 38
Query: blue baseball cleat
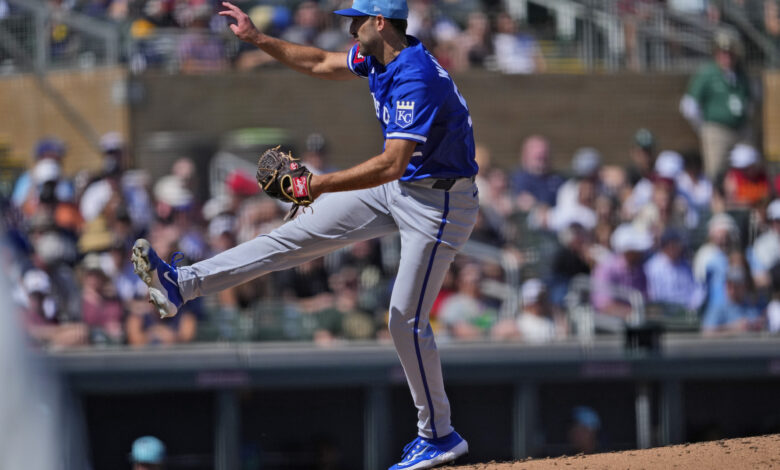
x: 161, y: 277
x: 428, y: 453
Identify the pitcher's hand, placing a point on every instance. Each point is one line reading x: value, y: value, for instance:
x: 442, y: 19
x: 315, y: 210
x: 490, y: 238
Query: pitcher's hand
x: 243, y: 28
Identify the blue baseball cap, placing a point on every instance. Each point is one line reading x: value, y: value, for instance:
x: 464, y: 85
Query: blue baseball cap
x: 50, y: 146
x: 148, y: 449
x: 394, y: 9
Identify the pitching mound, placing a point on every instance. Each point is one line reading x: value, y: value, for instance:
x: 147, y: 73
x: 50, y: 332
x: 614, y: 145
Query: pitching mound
x: 745, y: 453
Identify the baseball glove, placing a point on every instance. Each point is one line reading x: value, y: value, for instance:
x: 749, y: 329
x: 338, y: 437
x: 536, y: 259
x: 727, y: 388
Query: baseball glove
x: 283, y: 177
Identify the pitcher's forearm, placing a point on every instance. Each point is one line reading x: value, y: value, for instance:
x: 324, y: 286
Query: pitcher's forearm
x: 304, y: 59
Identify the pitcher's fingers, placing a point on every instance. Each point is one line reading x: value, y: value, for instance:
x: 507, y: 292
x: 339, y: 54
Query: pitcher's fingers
x: 231, y: 7
x: 229, y: 13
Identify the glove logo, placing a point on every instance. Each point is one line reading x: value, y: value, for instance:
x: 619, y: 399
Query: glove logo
x: 300, y: 188
x: 293, y: 166
x: 404, y: 113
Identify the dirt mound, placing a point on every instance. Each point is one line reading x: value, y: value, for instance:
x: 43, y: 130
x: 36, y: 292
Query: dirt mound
x: 745, y: 453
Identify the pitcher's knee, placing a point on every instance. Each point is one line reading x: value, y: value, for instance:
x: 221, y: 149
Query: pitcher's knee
x: 402, y: 326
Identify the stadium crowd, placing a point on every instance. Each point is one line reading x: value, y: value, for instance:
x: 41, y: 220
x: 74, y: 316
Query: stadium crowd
x: 656, y: 238
x: 188, y: 36
x: 688, y: 238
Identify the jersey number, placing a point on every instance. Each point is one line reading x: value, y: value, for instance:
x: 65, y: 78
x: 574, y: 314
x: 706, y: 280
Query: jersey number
x: 443, y: 74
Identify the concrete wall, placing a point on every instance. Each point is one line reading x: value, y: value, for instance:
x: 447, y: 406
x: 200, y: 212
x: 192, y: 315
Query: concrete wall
x: 596, y: 110
x: 28, y: 113
x: 772, y: 115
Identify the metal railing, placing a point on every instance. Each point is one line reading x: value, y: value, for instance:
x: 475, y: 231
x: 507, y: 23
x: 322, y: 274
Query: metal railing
x: 180, y: 50
x: 587, y: 321
x: 656, y: 37
x: 36, y: 37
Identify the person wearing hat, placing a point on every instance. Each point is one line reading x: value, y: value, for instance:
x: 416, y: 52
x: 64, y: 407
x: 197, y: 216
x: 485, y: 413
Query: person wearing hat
x: 764, y: 254
x: 667, y: 166
x: 642, y: 156
x: 711, y: 262
x: 584, y: 430
x: 585, y: 165
x: 718, y: 102
x: 535, y: 323
x: 47, y: 170
x: 739, y: 313
x: 421, y: 185
x: 692, y: 183
x: 622, y: 271
x: 576, y: 198
x: 746, y: 183
x: 315, y: 156
x: 670, y: 276
x: 147, y: 453
x: 100, y: 306
x: 666, y: 207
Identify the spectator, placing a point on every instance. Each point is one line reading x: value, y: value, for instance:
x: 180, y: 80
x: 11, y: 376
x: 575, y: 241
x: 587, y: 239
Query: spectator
x: 773, y: 309
x: 316, y: 155
x: 308, y: 284
x: 103, y: 195
x: 665, y: 210
x: 572, y: 259
x: 576, y: 198
x: 475, y: 44
x: 466, y: 314
x: 746, y: 183
x: 344, y: 319
x: 535, y: 323
x: 642, y: 155
x: 668, y: 165
x: 306, y: 23
x: 101, y: 309
x: 534, y: 183
x: 670, y: 277
x: 198, y: 51
x: 711, y: 263
x: 517, y: 52
x: 619, y: 276
x: 585, y: 165
x: 147, y: 453
x: 718, y: 102
x: 765, y: 252
x: 632, y: 14
x: 738, y: 314
x: 496, y: 203
x: 693, y: 184
x: 584, y: 430
x: 49, y: 153
x: 43, y: 321
x: 55, y: 253
x: 144, y: 326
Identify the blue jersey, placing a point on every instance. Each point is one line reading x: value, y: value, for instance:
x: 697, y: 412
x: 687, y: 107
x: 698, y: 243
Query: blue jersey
x: 415, y: 99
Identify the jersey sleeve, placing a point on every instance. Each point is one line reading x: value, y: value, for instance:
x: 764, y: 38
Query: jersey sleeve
x: 356, y: 62
x: 414, y: 107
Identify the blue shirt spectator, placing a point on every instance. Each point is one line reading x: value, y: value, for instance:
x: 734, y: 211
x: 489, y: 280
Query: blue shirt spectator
x: 711, y: 262
x: 534, y: 183
x: 670, y: 277
x: 738, y: 314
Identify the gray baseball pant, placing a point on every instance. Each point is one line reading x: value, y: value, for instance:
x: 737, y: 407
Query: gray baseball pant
x: 433, y: 224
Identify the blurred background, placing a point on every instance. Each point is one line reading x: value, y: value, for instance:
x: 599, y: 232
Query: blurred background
x: 621, y: 289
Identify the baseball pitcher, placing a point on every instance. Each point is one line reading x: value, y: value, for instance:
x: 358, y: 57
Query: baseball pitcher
x: 421, y: 185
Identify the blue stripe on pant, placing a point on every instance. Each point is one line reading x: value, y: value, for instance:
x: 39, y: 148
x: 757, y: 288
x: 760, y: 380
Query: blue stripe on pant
x: 419, y: 308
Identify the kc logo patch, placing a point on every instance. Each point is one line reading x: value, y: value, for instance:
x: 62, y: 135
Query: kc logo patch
x: 404, y: 113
